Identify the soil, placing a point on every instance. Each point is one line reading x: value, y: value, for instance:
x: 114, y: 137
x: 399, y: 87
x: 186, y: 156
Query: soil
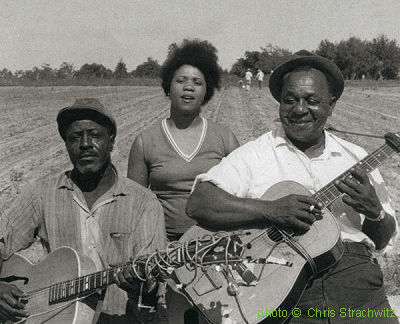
x: 30, y: 147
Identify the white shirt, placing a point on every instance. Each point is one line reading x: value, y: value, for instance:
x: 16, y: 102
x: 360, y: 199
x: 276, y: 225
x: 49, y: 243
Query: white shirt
x: 260, y: 75
x: 257, y: 165
x: 248, y: 75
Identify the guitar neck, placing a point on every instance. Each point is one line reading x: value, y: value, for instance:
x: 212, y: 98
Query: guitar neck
x: 84, y: 285
x: 175, y: 256
x: 328, y: 194
x: 90, y: 283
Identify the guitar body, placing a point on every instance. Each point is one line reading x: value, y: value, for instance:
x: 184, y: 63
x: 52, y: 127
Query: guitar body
x: 279, y: 287
x: 61, y: 264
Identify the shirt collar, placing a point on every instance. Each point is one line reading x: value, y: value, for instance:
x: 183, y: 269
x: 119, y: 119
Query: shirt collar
x: 118, y: 188
x: 331, y: 145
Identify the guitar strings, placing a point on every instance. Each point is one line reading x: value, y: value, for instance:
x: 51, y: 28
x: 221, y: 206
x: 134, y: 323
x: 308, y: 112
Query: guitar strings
x: 385, y: 149
x: 159, y: 260
x: 63, y: 306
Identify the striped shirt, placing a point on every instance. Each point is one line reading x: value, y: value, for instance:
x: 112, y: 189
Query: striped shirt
x: 130, y: 220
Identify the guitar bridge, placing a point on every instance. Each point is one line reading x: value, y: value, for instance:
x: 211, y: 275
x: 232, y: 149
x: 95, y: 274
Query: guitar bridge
x: 270, y: 260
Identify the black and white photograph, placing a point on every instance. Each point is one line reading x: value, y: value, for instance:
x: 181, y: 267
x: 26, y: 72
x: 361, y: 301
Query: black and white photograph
x: 194, y: 162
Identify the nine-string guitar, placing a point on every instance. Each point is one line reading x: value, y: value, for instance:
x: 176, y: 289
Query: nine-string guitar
x: 284, y: 263
x: 57, y: 285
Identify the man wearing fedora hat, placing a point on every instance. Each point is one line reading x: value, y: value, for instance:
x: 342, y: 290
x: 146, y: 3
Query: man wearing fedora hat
x: 307, y: 87
x: 91, y: 208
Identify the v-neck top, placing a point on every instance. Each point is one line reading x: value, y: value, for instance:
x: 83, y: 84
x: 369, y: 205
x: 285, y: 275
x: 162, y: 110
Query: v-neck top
x: 186, y: 157
x: 171, y: 172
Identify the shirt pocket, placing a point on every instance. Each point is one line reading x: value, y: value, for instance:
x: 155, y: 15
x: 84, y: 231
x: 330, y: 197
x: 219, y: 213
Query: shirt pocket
x: 120, y: 249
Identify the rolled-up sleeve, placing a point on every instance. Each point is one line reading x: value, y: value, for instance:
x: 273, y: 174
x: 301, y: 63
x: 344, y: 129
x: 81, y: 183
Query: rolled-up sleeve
x: 234, y: 174
x: 383, y: 195
x: 19, y: 223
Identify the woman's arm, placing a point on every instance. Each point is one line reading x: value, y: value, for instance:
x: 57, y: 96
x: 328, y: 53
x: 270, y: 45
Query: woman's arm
x: 137, y: 168
x: 233, y: 142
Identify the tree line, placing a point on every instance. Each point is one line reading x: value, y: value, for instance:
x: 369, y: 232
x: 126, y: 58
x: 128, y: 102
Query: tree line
x: 375, y: 59
x: 150, y: 68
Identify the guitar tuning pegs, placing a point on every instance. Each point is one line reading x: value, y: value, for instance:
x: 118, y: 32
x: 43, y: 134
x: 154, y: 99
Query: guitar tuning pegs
x: 393, y: 140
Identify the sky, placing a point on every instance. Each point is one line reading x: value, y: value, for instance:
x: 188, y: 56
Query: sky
x: 34, y: 32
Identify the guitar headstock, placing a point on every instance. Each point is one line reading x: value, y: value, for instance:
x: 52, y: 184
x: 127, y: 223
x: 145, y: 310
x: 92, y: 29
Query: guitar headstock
x: 219, y: 248
x: 393, y: 140
x: 216, y: 248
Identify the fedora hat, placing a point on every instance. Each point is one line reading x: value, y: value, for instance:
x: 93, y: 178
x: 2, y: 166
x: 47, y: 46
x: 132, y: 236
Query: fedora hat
x: 86, y: 108
x: 305, y: 58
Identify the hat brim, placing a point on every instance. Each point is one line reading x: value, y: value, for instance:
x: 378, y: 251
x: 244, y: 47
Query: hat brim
x: 315, y: 61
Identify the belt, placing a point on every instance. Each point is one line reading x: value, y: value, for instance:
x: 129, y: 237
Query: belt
x: 357, y: 248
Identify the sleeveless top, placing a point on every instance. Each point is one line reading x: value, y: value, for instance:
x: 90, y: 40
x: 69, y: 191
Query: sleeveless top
x: 172, y: 173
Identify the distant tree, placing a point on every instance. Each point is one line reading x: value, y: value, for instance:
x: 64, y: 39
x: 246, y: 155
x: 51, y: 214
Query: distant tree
x: 46, y: 72
x: 267, y: 59
x: 379, y: 58
x: 33, y: 75
x: 120, y: 71
x: 150, y: 68
x: 352, y: 57
x: 239, y: 67
x: 19, y: 74
x: 271, y: 57
x: 386, y: 57
x: 94, y: 70
x: 65, y: 71
x: 6, y: 76
x: 327, y: 49
x: 251, y: 59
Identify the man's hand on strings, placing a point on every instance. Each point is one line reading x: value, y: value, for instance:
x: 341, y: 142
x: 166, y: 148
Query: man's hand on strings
x: 359, y: 193
x: 12, y: 303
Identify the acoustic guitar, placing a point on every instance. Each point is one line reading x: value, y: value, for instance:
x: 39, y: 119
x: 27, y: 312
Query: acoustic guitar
x: 278, y: 264
x: 58, y: 286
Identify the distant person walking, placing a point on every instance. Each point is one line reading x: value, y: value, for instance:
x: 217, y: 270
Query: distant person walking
x: 248, y: 77
x: 363, y: 82
x: 260, y: 78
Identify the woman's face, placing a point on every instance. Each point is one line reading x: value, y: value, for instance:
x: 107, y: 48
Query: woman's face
x: 187, y: 90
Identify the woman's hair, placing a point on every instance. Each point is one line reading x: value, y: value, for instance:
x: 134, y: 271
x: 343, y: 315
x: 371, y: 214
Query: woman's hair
x: 200, y: 54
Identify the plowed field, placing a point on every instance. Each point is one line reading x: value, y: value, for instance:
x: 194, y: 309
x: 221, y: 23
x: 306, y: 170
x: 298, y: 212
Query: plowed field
x: 30, y: 147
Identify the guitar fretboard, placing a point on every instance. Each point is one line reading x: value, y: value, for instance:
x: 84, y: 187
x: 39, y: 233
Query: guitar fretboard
x: 330, y: 193
x: 87, y: 284
x: 84, y: 285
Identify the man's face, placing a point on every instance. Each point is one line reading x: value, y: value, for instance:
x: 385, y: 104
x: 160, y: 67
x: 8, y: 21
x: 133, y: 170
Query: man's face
x: 306, y: 103
x: 89, y: 145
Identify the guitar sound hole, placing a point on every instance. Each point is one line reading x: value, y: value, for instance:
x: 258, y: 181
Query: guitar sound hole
x: 276, y: 235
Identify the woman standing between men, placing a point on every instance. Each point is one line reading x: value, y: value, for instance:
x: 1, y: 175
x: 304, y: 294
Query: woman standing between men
x: 169, y: 155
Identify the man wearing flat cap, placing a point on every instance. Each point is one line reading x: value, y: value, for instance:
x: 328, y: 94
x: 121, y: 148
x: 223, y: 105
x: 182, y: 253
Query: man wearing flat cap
x: 307, y: 87
x: 104, y: 216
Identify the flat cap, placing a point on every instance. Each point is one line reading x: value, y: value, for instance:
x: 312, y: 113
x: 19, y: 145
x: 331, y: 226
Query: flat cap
x: 85, y: 108
x: 305, y: 58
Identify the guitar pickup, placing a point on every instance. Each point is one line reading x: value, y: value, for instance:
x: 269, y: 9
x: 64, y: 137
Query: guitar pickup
x: 245, y: 273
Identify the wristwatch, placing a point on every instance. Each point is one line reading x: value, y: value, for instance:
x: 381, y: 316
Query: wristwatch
x: 379, y: 218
